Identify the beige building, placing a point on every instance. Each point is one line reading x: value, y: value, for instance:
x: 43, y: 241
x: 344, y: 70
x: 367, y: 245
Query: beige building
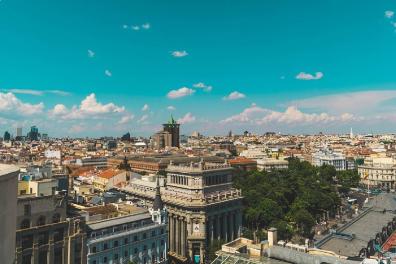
x: 268, y: 164
x: 8, y: 205
x: 202, y: 207
x: 378, y: 171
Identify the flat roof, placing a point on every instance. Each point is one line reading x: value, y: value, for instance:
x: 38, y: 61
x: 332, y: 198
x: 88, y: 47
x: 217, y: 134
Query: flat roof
x: 7, y: 168
x: 119, y: 220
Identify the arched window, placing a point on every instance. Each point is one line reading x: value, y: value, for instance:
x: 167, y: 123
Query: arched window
x: 56, y: 218
x: 25, y: 223
x: 41, y: 220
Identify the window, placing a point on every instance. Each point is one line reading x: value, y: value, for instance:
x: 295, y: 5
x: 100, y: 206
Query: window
x: 125, y: 253
x: 153, y: 233
x: 144, y: 235
x: 162, y: 242
x: 94, y: 249
x: 26, y: 209
x: 153, y: 245
x: 115, y: 256
x: 41, y: 221
x: 104, y: 246
x: 135, y: 238
x: 136, y: 250
x: 94, y: 262
x: 144, y: 247
x: 56, y: 218
x: 162, y: 231
x: 105, y: 260
x: 126, y: 240
x: 115, y: 244
x: 25, y: 224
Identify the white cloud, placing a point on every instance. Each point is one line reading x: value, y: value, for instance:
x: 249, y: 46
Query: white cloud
x: 146, y: 26
x: 59, y: 109
x: 184, y: 91
x: 292, y: 115
x: 36, y: 92
x: 187, y: 118
x: 205, y: 87
x: 25, y: 91
x: 143, y: 118
x: 308, y: 76
x: 234, y: 96
x: 126, y: 119
x: 247, y: 114
x: 58, y: 92
x: 10, y: 103
x: 179, y: 53
x: 171, y: 108
x: 136, y: 28
x: 145, y: 107
x: 389, y: 14
x: 108, y: 73
x: 91, y: 54
x: 366, y: 102
x: 89, y: 107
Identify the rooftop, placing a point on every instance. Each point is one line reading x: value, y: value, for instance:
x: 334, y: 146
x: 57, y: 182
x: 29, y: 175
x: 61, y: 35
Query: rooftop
x: 6, y: 169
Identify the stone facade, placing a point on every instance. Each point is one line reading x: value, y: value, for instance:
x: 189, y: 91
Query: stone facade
x: 45, y: 235
x: 202, y: 207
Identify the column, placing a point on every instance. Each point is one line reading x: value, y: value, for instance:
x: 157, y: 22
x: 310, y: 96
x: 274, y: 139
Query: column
x: 171, y: 232
x: 50, y: 247
x: 35, y: 251
x: 218, y: 233
x: 232, y: 227
x: 239, y: 222
x: 211, y: 228
x: 225, y: 227
x: 177, y: 234
x: 183, y: 237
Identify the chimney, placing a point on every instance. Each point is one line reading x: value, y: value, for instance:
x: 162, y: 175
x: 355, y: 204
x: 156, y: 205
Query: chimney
x: 272, y: 236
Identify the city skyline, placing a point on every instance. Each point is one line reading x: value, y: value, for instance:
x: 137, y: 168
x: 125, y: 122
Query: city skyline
x: 95, y: 69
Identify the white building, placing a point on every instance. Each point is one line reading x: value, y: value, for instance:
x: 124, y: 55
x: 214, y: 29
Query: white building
x: 329, y: 157
x: 140, y: 237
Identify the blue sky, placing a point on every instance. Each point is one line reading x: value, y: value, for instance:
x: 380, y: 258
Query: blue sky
x: 88, y: 68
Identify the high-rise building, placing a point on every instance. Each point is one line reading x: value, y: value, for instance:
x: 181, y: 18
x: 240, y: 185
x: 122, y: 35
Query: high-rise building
x: 19, y: 132
x: 7, y: 136
x: 8, y: 212
x: 33, y: 134
x: 174, y: 129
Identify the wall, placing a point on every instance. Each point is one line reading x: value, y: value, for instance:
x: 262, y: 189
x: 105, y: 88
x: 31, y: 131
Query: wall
x: 8, y: 205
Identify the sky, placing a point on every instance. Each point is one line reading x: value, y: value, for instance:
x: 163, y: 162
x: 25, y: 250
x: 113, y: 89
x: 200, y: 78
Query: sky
x: 106, y: 67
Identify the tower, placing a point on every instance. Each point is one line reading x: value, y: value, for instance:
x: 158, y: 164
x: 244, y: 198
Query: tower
x: 158, y: 211
x: 174, y: 129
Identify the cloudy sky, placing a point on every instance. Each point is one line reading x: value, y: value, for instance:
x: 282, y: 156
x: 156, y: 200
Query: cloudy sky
x: 94, y: 68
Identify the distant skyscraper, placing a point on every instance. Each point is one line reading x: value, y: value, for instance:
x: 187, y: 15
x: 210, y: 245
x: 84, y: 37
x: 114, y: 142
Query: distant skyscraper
x: 7, y: 136
x: 173, y: 128
x: 19, y: 132
x: 33, y: 134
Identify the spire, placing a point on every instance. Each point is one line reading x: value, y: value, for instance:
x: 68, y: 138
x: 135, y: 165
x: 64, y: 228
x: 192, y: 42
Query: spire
x: 158, y: 204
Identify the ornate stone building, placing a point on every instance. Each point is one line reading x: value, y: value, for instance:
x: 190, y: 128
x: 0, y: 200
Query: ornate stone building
x: 201, y: 203
x: 202, y: 206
